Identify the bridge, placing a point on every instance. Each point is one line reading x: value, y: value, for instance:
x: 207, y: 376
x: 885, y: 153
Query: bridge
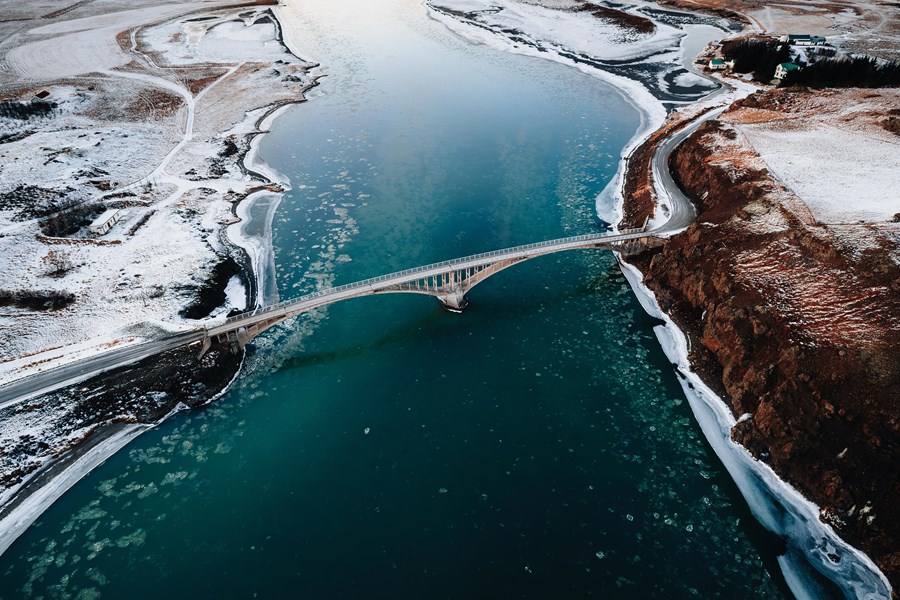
x: 448, y: 281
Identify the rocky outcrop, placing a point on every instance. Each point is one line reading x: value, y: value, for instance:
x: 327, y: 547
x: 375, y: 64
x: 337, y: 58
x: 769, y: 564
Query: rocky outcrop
x: 796, y: 328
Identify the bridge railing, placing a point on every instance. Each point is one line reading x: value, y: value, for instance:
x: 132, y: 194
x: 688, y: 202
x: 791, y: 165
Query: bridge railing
x: 438, y: 265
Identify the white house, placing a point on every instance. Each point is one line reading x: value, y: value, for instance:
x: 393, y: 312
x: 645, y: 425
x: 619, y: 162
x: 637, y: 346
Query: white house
x: 104, y: 222
x: 783, y: 69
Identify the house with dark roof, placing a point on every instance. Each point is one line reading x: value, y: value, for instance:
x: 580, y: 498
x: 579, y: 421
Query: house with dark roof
x: 802, y: 40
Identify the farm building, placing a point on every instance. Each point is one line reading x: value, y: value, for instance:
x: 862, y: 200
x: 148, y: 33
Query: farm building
x: 104, y: 222
x: 783, y: 69
x: 803, y: 40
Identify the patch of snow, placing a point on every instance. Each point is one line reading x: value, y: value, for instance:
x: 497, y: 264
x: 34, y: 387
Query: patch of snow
x: 84, y: 45
x: 570, y: 31
x: 688, y: 79
x: 841, y: 176
x: 236, y: 293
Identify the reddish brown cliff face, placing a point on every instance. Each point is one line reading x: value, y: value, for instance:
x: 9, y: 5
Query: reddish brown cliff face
x: 797, y: 325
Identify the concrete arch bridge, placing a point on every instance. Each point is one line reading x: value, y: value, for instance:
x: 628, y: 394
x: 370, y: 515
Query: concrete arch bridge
x: 448, y: 281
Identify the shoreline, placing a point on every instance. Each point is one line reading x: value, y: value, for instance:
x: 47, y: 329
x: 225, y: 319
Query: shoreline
x: 771, y: 499
x: 26, y: 502
x: 755, y: 480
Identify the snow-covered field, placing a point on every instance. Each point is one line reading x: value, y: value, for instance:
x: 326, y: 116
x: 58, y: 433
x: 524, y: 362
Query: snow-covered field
x: 85, y: 45
x: 832, y: 149
x: 840, y: 175
x: 156, y: 123
x: 556, y: 24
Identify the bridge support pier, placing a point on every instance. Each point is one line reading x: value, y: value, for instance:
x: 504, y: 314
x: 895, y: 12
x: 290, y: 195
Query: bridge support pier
x: 454, y: 301
x: 207, y: 343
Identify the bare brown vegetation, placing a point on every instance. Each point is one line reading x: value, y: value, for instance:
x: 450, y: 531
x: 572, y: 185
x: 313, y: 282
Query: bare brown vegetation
x: 620, y: 18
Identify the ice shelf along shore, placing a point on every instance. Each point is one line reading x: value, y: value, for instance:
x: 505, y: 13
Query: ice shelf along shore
x: 546, y: 33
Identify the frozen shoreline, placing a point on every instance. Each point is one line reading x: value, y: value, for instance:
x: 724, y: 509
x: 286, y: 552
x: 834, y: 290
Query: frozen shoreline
x: 775, y: 504
x: 26, y: 501
x: 19, y: 518
x: 610, y: 201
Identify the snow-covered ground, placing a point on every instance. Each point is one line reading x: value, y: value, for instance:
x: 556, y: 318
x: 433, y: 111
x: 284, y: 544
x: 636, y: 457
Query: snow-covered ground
x: 156, y: 123
x: 85, y: 45
x: 557, y: 24
x: 840, y: 175
x: 832, y: 149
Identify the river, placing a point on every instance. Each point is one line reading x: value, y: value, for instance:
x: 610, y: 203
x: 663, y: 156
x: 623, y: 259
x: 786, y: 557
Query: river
x: 537, y: 445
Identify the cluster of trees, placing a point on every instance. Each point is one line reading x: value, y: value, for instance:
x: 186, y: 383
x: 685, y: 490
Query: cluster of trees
x: 25, y: 110
x: 69, y: 219
x: 864, y: 72
x: 756, y: 56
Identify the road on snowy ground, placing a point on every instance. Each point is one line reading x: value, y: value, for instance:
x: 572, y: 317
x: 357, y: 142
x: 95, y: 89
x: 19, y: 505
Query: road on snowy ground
x: 70, y: 374
x: 683, y: 212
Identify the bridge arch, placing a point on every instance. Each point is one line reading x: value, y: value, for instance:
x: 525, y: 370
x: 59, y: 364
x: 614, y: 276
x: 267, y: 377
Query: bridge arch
x: 448, y: 281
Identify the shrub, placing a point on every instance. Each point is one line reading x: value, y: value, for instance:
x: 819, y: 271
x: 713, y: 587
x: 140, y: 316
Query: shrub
x: 25, y: 110
x: 864, y: 72
x: 756, y: 56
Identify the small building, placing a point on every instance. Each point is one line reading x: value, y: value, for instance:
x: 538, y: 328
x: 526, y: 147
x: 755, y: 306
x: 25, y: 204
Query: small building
x: 717, y: 64
x: 105, y: 222
x: 40, y: 96
x: 783, y: 69
x: 802, y: 40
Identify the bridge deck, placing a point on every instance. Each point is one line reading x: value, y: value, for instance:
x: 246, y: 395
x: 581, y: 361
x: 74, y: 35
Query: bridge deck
x: 381, y: 283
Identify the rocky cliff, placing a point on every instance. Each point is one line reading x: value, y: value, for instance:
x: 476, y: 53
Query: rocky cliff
x: 796, y: 325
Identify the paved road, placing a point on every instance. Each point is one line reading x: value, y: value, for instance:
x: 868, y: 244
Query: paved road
x: 683, y: 212
x: 70, y: 374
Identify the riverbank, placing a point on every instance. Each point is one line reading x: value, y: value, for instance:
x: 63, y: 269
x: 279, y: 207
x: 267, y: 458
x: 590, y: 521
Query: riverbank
x: 169, y: 258
x: 193, y: 92
x: 778, y: 505
x: 809, y: 360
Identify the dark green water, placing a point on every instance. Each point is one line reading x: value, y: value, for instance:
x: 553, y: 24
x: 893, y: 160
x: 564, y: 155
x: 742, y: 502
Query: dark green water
x: 537, y: 445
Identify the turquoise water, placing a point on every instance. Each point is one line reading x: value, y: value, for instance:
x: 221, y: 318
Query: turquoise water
x: 537, y: 445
